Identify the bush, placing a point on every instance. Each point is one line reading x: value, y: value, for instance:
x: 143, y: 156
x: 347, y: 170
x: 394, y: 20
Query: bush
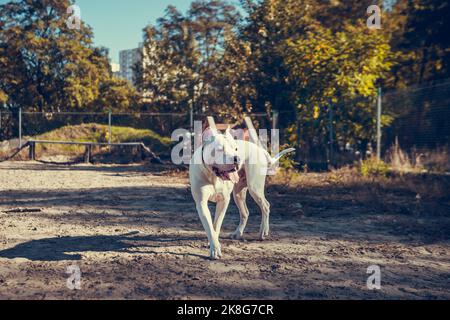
x: 287, y: 162
x: 373, y: 167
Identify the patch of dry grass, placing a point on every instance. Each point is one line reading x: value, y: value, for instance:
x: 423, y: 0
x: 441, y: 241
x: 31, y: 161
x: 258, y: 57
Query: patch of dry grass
x: 437, y: 160
x: 92, y: 132
x: 416, y: 185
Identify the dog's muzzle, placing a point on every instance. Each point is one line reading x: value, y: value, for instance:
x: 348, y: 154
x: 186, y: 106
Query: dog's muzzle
x: 228, y: 175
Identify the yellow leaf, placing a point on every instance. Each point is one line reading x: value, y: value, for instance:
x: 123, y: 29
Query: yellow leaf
x: 316, y: 112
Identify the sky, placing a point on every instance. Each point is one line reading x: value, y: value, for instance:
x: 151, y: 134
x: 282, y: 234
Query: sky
x: 118, y: 24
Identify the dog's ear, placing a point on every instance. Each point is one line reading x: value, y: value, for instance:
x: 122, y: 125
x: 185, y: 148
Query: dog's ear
x: 229, y: 133
x: 209, y: 134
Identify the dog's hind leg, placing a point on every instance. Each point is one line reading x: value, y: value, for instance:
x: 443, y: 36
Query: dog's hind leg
x: 264, y: 205
x: 240, y: 198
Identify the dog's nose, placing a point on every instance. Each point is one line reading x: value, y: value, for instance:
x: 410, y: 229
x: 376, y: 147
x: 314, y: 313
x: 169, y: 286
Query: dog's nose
x: 237, y: 160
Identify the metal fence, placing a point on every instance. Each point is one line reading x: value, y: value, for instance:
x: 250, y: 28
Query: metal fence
x: 422, y: 117
x: 416, y: 118
x: 415, y: 121
x: 8, y: 125
x: 18, y: 125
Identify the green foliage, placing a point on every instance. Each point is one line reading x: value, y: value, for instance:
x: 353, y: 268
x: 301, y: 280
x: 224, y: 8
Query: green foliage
x: 183, y: 53
x: 307, y: 58
x: 420, y: 38
x: 288, y: 162
x: 46, y: 66
x: 336, y: 70
x: 304, y: 58
x: 117, y: 95
x: 282, y: 57
x: 373, y: 167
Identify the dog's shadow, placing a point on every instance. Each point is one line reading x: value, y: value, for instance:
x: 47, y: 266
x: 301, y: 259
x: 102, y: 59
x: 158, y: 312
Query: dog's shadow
x: 70, y: 248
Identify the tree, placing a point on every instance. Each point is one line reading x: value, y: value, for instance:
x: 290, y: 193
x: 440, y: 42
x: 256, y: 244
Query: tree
x: 44, y: 64
x: 117, y: 95
x: 336, y: 71
x: 422, y: 60
x: 167, y: 74
x: 309, y: 57
x: 233, y: 80
x: 417, y: 31
x: 182, y: 54
x: 269, y: 24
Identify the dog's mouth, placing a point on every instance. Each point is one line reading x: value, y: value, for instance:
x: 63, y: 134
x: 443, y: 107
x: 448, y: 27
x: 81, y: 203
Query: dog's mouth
x: 230, y: 175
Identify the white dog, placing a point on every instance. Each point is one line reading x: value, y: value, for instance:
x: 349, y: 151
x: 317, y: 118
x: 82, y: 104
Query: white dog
x: 224, y: 165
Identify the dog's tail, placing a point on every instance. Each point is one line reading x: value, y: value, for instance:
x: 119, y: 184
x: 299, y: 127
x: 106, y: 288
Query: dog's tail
x: 277, y: 158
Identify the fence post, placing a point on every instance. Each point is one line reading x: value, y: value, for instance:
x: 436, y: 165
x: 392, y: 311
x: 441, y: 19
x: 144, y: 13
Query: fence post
x: 379, y: 111
x: 20, y: 128
x: 275, y: 117
x: 275, y: 134
x: 331, y: 130
x: 191, y: 112
x: 32, y: 151
x: 88, y: 154
x: 109, y: 127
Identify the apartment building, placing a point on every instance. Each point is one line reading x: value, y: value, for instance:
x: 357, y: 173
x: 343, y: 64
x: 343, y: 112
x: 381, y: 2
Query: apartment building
x: 128, y: 59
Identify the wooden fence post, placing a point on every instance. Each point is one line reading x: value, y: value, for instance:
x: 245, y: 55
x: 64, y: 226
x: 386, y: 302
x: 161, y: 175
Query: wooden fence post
x: 88, y: 154
x: 20, y: 128
x: 32, y: 151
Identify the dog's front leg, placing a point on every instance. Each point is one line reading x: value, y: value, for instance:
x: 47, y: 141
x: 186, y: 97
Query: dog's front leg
x: 205, y: 216
x: 221, y: 209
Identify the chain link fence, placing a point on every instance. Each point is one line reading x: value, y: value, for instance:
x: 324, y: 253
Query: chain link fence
x: 153, y: 129
x: 9, y: 129
x: 415, y: 128
x: 419, y: 134
x: 31, y: 125
x: 422, y: 117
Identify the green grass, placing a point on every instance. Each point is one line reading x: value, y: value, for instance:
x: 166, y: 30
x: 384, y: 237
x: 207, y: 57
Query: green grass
x: 92, y: 132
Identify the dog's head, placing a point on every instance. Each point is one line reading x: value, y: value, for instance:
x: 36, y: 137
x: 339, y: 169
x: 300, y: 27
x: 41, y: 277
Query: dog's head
x: 221, y: 155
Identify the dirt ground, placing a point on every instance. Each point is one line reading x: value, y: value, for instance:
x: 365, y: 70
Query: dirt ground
x: 134, y: 233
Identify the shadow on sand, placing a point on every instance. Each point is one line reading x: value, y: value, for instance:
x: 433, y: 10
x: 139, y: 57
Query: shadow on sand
x: 70, y: 248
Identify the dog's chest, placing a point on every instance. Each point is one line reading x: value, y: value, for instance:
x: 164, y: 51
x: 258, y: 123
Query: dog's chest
x: 218, y: 197
x: 222, y: 189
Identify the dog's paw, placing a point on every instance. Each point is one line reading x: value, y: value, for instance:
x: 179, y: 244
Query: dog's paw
x: 263, y: 235
x: 215, y: 252
x: 237, y: 236
x: 264, y: 232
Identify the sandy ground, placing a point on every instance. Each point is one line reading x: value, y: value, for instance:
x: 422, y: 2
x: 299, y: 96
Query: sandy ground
x: 134, y: 233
